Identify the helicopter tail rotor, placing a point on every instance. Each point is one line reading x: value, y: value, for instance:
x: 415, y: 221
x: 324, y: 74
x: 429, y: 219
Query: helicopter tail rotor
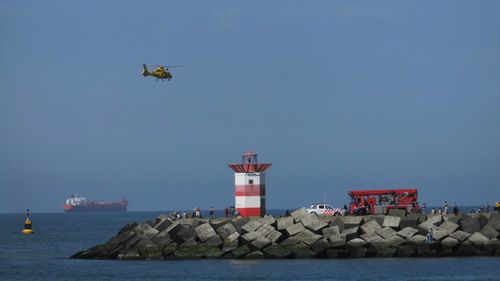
x: 145, y: 71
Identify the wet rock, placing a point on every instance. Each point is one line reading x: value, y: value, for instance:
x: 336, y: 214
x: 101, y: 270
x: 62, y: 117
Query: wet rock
x: 130, y: 255
x: 278, y: 251
x: 302, y: 251
x: 405, y: 251
x: 162, y: 239
x: 492, y: 246
x: 241, y: 251
x: 150, y: 251
x: 255, y: 255
x: 358, y: 252
x: 228, y: 246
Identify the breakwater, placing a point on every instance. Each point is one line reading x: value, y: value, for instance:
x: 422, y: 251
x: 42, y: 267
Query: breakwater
x: 304, y: 235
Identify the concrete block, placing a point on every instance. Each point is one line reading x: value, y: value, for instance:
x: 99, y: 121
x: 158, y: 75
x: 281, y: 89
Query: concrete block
x: 294, y: 229
x: 128, y: 227
x: 391, y: 221
x: 494, y: 221
x: 477, y: 239
x: 252, y: 225
x: 250, y: 236
x: 449, y: 242
x: 351, y: 233
x: 337, y: 221
x: 379, y: 244
x: 369, y: 237
x: 255, y: 255
x: 409, y: 221
x: 357, y: 252
x: 337, y: 240
x: 290, y: 241
x: 407, y: 232
x: 317, y: 226
x: 274, y: 235
x: 397, y: 213
x: 169, y: 249
x: 417, y: 239
x: 278, y: 251
x: 214, y: 241
x: 284, y: 223
x: 191, y: 241
x: 185, y: 234
x: 395, y: 240
x: 379, y: 219
x: 492, y: 246
x: 265, y: 230
x: 226, y: 230
x: 232, y: 237
x: 298, y: 214
x: 386, y: 232
x: 435, y: 219
x: 445, y: 229
x: 163, y: 224
x: 470, y: 224
x: 239, y: 223
x: 260, y: 242
x: 162, y: 239
x: 351, y: 221
x: 386, y: 252
x: 489, y: 232
x: 320, y: 245
x: 122, y: 237
x: 173, y: 229
x: 356, y: 242
x: 145, y: 230
x: 405, y: 251
x: 460, y: 235
x: 241, y: 251
x: 268, y: 220
x: 307, y: 237
x: 327, y: 232
x: 205, y: 232
x: 336, y: 253
x: 309, y: 219
x: 370, y: 227
x: 302, y: 251
x: 228, y: 246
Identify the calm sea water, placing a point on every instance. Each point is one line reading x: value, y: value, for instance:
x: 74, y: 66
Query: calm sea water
x: 44, y: 256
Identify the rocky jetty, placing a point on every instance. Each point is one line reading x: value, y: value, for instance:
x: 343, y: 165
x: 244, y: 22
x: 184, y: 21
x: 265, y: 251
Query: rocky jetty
x: 304, y: 235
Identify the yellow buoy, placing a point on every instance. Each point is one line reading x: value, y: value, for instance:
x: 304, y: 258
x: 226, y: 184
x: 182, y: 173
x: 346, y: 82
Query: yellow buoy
x: 28, y: 225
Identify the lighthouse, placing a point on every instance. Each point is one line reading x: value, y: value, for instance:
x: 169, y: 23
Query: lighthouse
x: 250, y: 186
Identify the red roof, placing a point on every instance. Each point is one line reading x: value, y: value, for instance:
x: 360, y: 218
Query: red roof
x: 249, y: 168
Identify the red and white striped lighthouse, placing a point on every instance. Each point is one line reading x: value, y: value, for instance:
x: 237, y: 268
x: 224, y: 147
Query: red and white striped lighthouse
x: 250, y: 186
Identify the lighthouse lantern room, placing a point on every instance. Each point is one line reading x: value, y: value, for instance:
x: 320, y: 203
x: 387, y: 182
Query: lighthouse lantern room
x: 250, y: 186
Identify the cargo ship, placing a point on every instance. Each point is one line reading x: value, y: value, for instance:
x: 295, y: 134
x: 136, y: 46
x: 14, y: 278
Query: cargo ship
x: 79, y: 204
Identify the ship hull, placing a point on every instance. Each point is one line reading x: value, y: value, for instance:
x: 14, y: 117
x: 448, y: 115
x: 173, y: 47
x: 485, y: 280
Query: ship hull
x: 96, y: 207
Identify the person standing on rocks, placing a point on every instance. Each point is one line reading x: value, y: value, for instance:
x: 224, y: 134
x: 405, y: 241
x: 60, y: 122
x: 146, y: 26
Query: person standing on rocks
x: 487, y: 207
x: 211, y: 212
x: 429, y: 236
x: 445, y: 207
x: 455, y: 209
x: 226, y: 212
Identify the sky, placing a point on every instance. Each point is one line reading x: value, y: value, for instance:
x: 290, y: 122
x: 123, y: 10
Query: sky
x: 337, y: 95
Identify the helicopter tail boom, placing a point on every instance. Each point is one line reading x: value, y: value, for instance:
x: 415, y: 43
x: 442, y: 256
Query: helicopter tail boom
x: 145, y: 71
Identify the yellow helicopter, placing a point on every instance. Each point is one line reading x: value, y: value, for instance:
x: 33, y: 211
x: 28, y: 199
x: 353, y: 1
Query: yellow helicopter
x: 161, y: 72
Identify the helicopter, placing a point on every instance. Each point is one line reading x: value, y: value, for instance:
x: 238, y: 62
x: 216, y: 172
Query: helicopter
x: 161, y: 72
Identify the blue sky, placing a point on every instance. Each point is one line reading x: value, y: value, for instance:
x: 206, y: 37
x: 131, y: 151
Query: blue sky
x: 337, y: 95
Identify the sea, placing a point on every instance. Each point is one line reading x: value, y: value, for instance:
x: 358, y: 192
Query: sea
x: 45, y: 256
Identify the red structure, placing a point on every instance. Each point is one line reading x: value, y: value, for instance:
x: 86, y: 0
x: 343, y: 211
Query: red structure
x: 250, y: 185
x: 382, y: 200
